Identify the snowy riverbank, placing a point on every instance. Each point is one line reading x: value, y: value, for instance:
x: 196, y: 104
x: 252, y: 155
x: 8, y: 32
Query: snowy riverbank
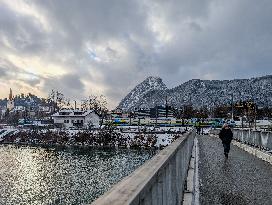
x: 130, y: 137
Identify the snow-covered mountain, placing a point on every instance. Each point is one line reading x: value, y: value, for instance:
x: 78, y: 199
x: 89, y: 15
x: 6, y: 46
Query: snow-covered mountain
x: 199, y: 93
x: 136, y: 98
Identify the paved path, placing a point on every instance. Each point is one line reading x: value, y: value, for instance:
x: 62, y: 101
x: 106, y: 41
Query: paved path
x: 242, y: 179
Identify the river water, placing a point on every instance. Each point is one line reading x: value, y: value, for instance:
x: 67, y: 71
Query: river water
x: 36, y: 175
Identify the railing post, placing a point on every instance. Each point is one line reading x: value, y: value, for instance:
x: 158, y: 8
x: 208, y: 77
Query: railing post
x: 179, y: 175
x: 260, y: 139
x: 173, y: 180
x: 165, y: 186
x: 160, y: 188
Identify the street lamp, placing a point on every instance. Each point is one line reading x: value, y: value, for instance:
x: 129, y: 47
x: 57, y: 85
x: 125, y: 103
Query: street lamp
x: 232, y: 108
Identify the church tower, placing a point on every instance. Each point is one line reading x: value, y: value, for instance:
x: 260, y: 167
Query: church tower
x: 10, y: 103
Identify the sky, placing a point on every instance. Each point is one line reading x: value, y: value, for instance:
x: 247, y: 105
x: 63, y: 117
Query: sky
x: 85, y: 47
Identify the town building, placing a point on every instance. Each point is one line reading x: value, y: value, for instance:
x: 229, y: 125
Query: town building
x: 142, y: 112
x: 162, y: 111
x: 117, y: 113
x: 3, y: 110
x: 19, y: 108
x: 69, y: 118
x: 45, y: 109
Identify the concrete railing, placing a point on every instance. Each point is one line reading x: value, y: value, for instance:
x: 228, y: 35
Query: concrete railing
x: 256, y: 138
x: 160, y: 181
x: 261, y: 139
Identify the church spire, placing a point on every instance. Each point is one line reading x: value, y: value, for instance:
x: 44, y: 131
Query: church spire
x: 10, y: 103
x: 10, y: 94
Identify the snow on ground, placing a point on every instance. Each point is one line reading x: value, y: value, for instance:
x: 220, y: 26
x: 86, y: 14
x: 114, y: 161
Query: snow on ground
x: 164, y: 139
x: 5, y: 132
x: 206, y: 130
x: 164, y: 135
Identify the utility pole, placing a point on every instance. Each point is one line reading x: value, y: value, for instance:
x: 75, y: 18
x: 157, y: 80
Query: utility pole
x: 232, y: 109
x: 156, y: 115
x: 166, y: 107
x: 130, y: 113
x: 139, y: 122
x: 255, y: 112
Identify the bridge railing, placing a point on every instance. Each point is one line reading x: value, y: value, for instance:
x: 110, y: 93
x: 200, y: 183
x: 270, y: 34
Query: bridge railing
x: 159, y: 181
x: 260, y: 139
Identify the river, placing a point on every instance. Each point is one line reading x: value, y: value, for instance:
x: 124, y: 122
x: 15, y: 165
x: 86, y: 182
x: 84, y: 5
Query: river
x: 57, y: 175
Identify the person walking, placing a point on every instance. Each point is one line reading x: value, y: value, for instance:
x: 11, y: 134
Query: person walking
x: 226, y: 136
x: 198, y: 128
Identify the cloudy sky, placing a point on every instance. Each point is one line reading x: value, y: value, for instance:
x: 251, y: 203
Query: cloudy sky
x: 107, y: 47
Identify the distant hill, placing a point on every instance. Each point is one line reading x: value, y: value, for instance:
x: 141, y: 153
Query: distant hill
x: 199, y: 93
x: 28, y: 100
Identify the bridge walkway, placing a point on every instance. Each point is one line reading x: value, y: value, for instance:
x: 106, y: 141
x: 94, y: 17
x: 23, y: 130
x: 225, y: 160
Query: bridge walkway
x: 241, y: 180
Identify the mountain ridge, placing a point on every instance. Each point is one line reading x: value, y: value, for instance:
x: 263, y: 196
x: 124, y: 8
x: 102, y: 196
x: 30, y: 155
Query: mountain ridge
x: 199, y: 93
x: 149, y: 84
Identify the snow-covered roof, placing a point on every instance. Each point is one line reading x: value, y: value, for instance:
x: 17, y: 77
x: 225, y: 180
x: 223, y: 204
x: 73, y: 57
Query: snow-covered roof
x: 72, y: 113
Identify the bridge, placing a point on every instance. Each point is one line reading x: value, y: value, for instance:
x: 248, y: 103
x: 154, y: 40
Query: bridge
x: 193, y: 170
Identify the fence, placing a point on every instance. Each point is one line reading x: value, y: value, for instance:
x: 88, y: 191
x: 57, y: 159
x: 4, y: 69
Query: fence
x: 160, y: 181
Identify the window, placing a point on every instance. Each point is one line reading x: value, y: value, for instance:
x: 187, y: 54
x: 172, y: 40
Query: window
x: 77, y: 113
x: 64, y: 113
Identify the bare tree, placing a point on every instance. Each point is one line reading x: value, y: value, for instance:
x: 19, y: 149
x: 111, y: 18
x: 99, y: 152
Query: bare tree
x: 96, y: 103
x: 57, y: 99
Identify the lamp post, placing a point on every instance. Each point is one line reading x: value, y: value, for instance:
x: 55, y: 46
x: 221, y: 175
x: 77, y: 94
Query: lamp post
x: 156, y: 115
x: 255, y: 112
x: 232, y: 108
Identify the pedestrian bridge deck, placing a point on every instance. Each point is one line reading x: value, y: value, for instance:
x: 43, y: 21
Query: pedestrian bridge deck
x: 242, y: 179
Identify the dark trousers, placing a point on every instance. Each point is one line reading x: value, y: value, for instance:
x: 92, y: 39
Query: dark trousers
x: 198, y: 129
x: 226, y: 147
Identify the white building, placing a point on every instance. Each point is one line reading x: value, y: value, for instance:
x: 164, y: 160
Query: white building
x: 76, y: 118
x: 45, y: 109
x: 3, y: 110
x: 19, y: 108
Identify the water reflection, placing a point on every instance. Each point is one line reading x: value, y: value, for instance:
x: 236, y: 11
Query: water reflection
x: 33, y: 175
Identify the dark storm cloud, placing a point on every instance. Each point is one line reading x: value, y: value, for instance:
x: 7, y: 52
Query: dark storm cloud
x: 70, y: 85
x: 23, y: 34
x: 114, y: 45
x: 95, y: 22
x: 7, y: 69
x: 3, y: 72
x: 233, y: 41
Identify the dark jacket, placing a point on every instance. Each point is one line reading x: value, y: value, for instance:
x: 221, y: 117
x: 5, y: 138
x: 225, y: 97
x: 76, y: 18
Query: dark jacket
x: 226, y: 135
